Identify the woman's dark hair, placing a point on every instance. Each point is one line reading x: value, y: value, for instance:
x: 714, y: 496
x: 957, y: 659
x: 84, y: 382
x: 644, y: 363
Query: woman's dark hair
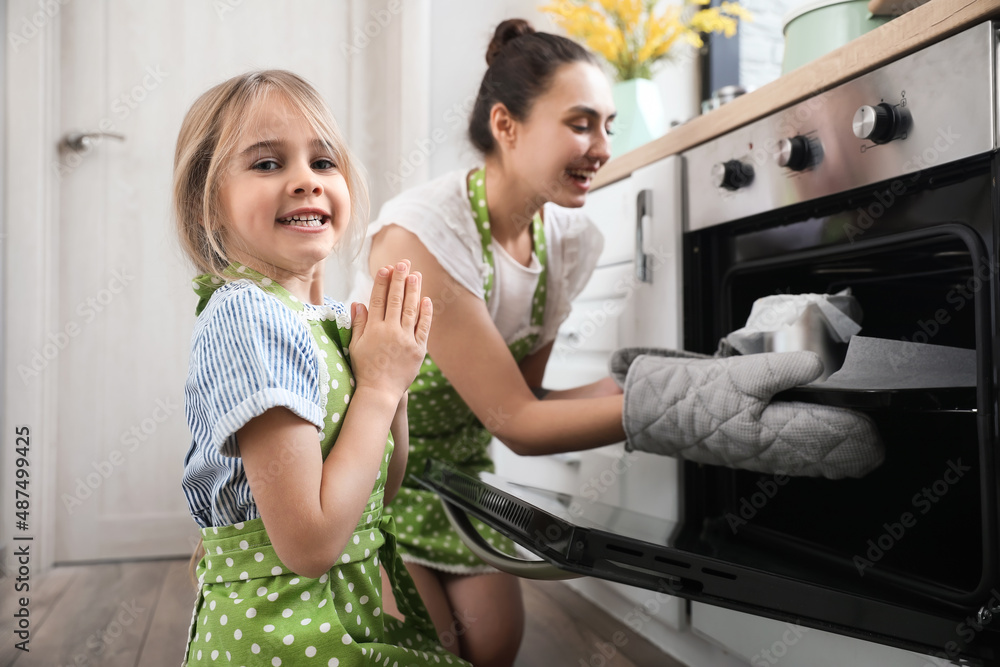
x: 521, y: 64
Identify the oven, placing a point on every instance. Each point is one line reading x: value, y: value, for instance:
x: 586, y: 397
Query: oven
x: 885, y: 185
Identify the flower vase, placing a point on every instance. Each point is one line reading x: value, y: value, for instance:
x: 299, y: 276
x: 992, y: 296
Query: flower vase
x: 640, y: 115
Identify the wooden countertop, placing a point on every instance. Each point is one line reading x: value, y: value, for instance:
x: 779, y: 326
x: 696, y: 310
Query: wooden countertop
x: 905, y: 34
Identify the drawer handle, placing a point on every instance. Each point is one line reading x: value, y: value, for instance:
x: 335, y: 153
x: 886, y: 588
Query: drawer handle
x: 643, y: 220
x: 571, y: 337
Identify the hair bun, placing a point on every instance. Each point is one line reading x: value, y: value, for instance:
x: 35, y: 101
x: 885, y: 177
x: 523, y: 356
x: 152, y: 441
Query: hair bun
x: 506, y: 32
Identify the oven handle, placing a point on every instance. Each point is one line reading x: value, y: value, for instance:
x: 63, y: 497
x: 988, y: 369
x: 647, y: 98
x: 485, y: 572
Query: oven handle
x: 643, y: 224
x: 527, y: 569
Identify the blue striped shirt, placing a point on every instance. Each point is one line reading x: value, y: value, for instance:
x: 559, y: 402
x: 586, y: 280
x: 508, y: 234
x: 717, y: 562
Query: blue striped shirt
x: 249, y: 353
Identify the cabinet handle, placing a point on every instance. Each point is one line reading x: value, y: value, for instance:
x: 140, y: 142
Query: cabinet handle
x: 643, y: 220
x: 572, y: 337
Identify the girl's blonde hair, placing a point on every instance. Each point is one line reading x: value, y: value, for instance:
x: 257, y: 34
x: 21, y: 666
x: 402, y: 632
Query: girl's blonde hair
x: 209, y: 136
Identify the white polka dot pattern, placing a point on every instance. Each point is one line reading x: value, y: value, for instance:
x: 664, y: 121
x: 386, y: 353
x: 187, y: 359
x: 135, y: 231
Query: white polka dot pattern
x: 443, y: 427
x: 293, y: 618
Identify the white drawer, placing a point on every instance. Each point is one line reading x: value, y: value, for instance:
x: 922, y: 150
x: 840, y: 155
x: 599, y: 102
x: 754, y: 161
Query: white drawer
x: 609, y: 282
x: 569, y: 369
x: 592, y: 326
x: 612, y: 209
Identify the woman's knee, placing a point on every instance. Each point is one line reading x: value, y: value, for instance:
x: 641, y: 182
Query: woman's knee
x: 487, y: 618
x: 492, y: 646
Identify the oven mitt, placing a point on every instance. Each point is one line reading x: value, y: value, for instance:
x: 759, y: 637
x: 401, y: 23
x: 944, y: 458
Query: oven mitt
x: 719, y: 411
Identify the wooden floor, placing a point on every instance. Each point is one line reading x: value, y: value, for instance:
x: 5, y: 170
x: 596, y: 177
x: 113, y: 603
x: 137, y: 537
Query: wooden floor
x: 136, y: 614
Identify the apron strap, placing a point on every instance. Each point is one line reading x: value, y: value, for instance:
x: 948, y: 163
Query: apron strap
x: 407, y: 599
x: 481, y: 214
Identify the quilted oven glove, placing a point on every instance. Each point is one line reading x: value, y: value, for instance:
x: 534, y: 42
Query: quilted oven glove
x: 719, y: 411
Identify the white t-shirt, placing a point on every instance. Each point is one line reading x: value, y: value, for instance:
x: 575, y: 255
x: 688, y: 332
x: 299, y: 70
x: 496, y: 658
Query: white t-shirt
x: 514, y: 289
x: 438, y: 213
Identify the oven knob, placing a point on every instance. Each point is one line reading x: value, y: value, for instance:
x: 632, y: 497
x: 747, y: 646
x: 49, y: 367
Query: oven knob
x: 880, y: 123
x: 794, y: 153
x: 732, y: 174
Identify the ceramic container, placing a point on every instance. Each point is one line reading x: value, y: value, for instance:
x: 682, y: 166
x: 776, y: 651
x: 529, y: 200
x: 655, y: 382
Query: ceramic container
x: 816, y: 28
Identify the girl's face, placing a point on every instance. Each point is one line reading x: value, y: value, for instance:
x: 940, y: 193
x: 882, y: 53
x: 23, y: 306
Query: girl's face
x: 285, y: 201
x: 565, y: 138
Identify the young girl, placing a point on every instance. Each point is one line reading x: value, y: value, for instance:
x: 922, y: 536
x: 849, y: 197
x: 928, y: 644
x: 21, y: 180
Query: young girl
x: 289, y: 407
x: 503, y: 254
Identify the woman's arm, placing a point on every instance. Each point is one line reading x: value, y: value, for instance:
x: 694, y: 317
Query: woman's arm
x: 309, y: 506
x: 401, y: 440
x: 467, y: 347
x: 533, y: 369
x: 601, y: 388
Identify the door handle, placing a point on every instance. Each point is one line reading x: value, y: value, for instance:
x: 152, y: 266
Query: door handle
x: 81, y: 142
x: 527, y: 569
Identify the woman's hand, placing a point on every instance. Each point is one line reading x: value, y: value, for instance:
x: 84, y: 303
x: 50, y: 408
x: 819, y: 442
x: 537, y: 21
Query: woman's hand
x: 389, y: 338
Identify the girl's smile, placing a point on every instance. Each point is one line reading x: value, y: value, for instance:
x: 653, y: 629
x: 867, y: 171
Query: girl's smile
x: 305, y: 219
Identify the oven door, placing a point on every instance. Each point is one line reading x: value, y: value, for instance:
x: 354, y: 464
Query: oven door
x: 574, y: 535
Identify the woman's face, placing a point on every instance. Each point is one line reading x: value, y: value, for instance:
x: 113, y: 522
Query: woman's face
x: 565, y: 138
x: 285, y: 201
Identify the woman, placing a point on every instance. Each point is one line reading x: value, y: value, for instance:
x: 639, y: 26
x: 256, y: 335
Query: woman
x: 502, y: 254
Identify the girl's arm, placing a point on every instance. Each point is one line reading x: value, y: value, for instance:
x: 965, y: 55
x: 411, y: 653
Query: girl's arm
x: 309, y: 506
x: 401, y: 439
x: 467, y: 347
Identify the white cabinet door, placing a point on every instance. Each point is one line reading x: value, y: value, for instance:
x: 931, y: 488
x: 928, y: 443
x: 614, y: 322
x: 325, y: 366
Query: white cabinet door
x: 654, y: 318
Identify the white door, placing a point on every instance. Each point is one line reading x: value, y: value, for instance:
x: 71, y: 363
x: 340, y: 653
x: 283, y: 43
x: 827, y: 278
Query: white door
x: 126, y: 309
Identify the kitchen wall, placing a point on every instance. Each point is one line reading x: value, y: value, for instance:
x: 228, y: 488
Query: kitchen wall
x: 762, y: 41
x: 460, y: 32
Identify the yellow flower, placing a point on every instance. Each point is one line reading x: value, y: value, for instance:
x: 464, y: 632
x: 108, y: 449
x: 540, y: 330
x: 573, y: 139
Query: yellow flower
x: 632, y: 36
x: 736, y: 10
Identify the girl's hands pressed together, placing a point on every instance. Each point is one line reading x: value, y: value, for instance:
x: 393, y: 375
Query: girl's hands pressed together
x: 310, y: 507
x: 389, y: 339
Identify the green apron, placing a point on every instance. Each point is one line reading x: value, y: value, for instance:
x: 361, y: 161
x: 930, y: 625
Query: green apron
x: 252, y: 610
x: 443, y: 427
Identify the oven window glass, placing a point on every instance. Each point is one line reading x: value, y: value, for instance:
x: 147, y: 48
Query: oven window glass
x: 918, y: 520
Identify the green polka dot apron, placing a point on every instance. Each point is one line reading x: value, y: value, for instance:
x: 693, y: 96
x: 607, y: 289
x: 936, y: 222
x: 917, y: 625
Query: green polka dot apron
x: 443, y: 427
x: 252, y: 610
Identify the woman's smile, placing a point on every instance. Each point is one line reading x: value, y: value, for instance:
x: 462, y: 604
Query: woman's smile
x: 581, y: 178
